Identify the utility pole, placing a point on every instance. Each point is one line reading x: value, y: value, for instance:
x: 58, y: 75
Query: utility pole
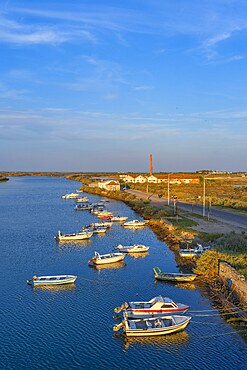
x: 204, y: 197
x: 147, y: 190
x: 168, y: 189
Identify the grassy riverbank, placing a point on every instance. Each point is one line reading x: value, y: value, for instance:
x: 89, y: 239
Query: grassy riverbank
x: 177, y: 232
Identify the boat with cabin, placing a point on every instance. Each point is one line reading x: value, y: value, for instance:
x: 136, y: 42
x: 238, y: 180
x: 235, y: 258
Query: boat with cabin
x: 101, y: 259
x: 136, y: 248
x: 157, y: 306
x: 172, y: 276
x: 134, y: 223
x: 75, y: 236
x: 161, y: 325
x: 192, y: 252
x: 51, y: 280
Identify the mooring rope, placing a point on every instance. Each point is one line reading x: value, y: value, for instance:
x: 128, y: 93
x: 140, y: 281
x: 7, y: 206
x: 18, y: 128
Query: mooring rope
x: 220, y: 335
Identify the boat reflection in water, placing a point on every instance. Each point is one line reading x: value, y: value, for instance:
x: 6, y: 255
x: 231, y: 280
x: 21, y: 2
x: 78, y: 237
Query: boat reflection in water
x: 188, y: 286
x: 112, y: 266
x: 138, y: 255
x: 74, y: 244
x: 55, y: 288
x: 163, y: 342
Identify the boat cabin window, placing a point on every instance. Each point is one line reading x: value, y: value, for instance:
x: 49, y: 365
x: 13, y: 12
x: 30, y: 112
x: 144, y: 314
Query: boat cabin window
x: 42, y: 279
x: 167, y: 305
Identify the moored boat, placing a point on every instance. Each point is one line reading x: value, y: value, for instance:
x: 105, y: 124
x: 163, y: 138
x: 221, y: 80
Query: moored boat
x: 100, y: 259
x: 82, y: 200
x: 134, y: 223
x: 136, y: 248
x: 152, y: 326
x: 52, y: 280
x: 70, y: 196
x: 172, y: 276
x: 119, y: 218
x: 94, y: 229
x: 107, y: 224
x: 192, y: 252
x: 157, y: 306
x: 82, y: 207
x: 75, y: 236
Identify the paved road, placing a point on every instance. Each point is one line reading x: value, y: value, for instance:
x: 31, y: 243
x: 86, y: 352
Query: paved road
x: 233, y: 218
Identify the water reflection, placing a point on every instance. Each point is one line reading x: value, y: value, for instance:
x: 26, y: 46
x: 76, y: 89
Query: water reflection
x: 139, y: 255
x: 55, y: 288
x: 74, y: 243
x: 114, y: 266
x: 188, y: 286
x: 159, y: 341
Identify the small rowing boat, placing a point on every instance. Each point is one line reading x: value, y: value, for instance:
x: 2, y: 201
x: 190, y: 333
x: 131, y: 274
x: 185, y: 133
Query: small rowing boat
x: 157, y: 306
x: 101, y: 259
x: 136, y: 248
x: 153, y: 326
x: 172, y: 276
x: 51, y: 280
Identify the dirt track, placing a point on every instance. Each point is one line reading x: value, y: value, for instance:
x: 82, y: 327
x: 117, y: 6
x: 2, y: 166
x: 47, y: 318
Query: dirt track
x: 214, y: 225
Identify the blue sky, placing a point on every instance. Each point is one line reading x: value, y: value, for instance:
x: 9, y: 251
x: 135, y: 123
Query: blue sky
x: 99, y: 85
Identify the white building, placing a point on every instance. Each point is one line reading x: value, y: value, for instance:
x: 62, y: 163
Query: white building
x: 109, y: 185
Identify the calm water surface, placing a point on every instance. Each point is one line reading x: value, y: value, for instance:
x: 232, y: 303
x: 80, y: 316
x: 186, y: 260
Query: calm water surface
x: 71, y: 327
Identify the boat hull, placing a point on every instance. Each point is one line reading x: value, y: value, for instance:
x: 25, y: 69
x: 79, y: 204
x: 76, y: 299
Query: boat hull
x: 182, y: 279
x: 55, y: 281
x: 172, y: 277
x: 133, y: 249
x: 156, y: 331
x: 135, y: 314
x: 104, y: 261
x: 76, y: 237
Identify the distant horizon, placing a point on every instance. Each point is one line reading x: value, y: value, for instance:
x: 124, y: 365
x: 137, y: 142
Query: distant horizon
x: 124, y: 172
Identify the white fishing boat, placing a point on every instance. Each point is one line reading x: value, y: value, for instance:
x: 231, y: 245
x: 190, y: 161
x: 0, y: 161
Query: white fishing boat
x: 119, y: 219
x: 70, y: 196
x: 157, y: 306
x: 102, y: 224
x: 94, y: 229
x: 105, y: 213
x: 101, y: 259
x: 152, y: 326
x: 82, y: 207
x: 82, y: 200
x: 136, y: 248
x: 52, y: 280
x: 192, y: 252
x: 134, y: 223
x: 75, y: 236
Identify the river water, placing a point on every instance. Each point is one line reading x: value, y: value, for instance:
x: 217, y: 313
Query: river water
x: 71, y: 327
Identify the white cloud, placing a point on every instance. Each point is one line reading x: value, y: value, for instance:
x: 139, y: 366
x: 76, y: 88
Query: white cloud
x: 21, y: 33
